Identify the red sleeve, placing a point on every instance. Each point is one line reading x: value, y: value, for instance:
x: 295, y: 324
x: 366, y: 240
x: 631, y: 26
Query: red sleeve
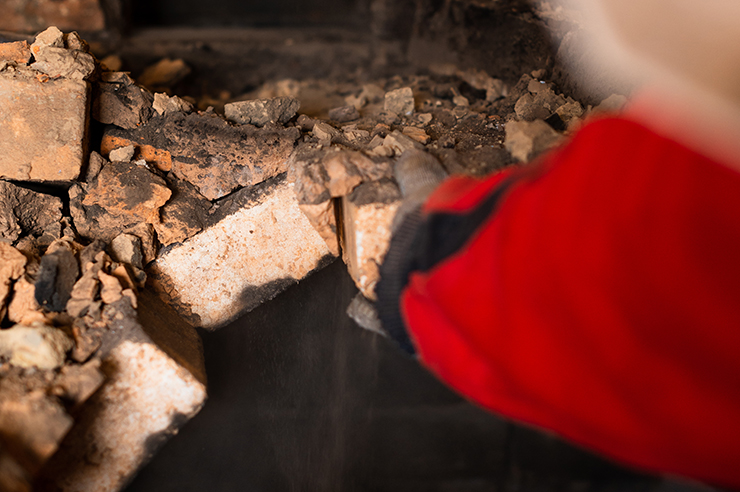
x: 595, y: 294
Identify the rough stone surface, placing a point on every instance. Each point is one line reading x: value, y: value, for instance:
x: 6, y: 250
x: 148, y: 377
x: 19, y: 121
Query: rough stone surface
x: 184, y: 215
x: 120, y: 197
x: 122, y: 154
x: 150, y: 391
x: 26, y: 212
x: 213, y: 155
x: 367, y: 216
x: 527, y: 140
x: 43, y: 126
x: 33, y: 16
x: 39, y: 346
x: 119, y: 101
x: 259, y: 112
x: 62, y: 62
x: 400, y: 101
x: 18, y: 52
x: 260, y: 243
x: 164, y: 104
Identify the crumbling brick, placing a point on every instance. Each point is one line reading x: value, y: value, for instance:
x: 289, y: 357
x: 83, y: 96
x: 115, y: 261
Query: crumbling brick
x: 119, y: 101
x: 18, y: 52
x: 260, y: 112
x: 258, y: 244
x: 42, y: 126
x: 155, y: 383
x: 26, y: 212
x: 367, y: 216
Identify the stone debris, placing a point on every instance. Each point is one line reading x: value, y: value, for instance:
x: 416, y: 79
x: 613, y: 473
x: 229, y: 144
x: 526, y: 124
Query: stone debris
x: 37, y: 345
x: 123, y: 195
x: 526, y: 140
x: 258, y: 244
x: 119, y: 101
x: 260, y: 112
x: 164, y: 104
x: 122, y: 154
x: 126, y: 249
x: 417, y: 134
x: 77, y: 383
x: 28, y: 213
x: 18, y: 52
x: 400, y: 101
x: 325, y: 133
x: 367, y: 215
x: 164, y: 74
x: 184, y: 215
x: 159, y: 158
x: 344, y: 114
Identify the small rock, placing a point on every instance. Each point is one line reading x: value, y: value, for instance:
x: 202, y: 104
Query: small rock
x: 18, y: 52
x: 163, y: 74
x: 23, y: 308
x: 305, y: 123
x: 530, y: 106
x: 424, y: 118
x: 86, y: 288
x: 183, y: 216
x: 381, y: 129
x: 50, y: 38
x: 325, y: 133
x: 75, y: 42
x: 94, y: 165
x: 344, y: 114
x: 123, y: 154
x: 36, y: 345
x: 61, y: 62
x: 126, y: 248
x: 460, y: 101
x: 400, y: 143
x: 400, y: 101
x: 77, y: 383
x: 358, y: 102
x: 164, y: 104
x: 356, y: 135
x: 23, y: 211
x: 119, y: 101
x: 57, y: 275
x: 111, y: 290
x: 526, y: 140
x: 478, y: 79
x: 417, y: 134
x: 259, y: 112
x: 343, y: 173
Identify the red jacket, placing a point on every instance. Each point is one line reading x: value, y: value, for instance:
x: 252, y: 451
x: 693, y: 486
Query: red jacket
x: 595, y: 293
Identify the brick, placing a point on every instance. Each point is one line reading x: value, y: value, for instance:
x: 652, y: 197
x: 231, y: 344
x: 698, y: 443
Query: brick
x: 33, y: 16
x: 28, y: 213
x: 18, y: 52
x: 155, y: 383
x: 367, y: 215
x: 121, y: 102
x: 161, y: 159
x: 259, y: 112
x: 258, y: 244
x: 43, y: 126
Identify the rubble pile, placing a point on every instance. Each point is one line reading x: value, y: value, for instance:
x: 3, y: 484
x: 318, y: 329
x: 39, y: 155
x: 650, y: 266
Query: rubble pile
x: 112, y: 250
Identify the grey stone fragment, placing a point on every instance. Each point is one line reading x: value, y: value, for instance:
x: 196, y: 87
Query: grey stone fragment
x: 26, y: 212
x: 119, y: 101
x: 344, y: 114
x: 259, y: 112
x: 400, y: 101
x: 526, y: 140
x: 164, y: 104
x: 61, y: 62
x: 123, y: 154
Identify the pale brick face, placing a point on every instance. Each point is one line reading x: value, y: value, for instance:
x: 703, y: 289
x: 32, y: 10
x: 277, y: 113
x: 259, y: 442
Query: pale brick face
x: 42, y: 127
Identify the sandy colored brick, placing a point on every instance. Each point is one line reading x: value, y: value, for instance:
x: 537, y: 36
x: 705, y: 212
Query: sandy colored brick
x: 155, y: 383
x: 260, y: 244
x: 367, y: 216
x: 43, y: 126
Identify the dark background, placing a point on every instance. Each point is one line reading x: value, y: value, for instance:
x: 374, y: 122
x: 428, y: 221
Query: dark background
x: 301, y: 398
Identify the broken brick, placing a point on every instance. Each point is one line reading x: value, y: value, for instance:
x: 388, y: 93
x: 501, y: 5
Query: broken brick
x: 119, y: 101
x: 259, y: 112
x: 56, y: 277
x: 26, y: 212
x: 120, y: 197
x: 161, y: 159
x: 18, y: 52
x: 42, y: 126
x: 183, y: 216
x: 37, y: 345
x: 367, y: 216
x: 258, y: 244
x: 62, y: 62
